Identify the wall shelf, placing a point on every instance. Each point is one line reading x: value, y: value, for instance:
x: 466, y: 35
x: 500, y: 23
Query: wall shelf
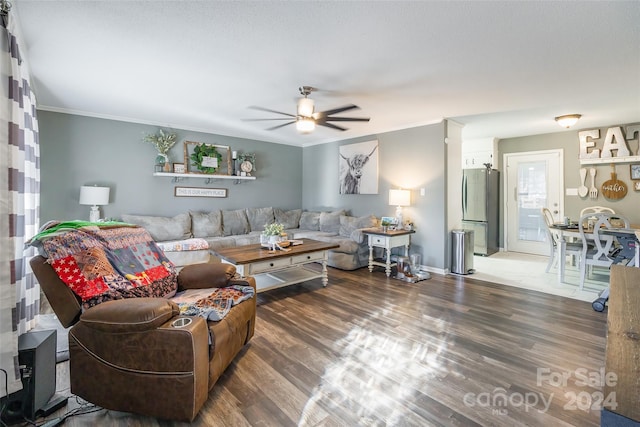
x: 209, y: 177
x: 608, y: 160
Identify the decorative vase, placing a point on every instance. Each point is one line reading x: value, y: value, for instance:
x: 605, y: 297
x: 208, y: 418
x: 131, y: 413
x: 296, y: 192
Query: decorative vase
x: 167, y: 167
x: 273, y: 241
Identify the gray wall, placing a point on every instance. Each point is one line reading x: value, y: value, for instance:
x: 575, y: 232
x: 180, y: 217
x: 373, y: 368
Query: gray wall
x: 569, y: 143
x: 78, y: 150
x: 410, y: 159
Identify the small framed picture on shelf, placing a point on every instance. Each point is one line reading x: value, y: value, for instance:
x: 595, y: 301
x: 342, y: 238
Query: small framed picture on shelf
x: 388, y: 220
x: 178, y: 168
x: 635, y: 171
x: 636, y: 186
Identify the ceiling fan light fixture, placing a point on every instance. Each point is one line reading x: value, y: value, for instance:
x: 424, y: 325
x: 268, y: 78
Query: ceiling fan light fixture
x: 568, y: 120
x: 305, y: 107
x: 305, y: 124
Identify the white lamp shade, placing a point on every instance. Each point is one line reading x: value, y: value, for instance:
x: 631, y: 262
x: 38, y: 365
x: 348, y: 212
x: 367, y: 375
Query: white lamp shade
x: 399, y: 197
x: 94, y: 196
x: 305, y: 125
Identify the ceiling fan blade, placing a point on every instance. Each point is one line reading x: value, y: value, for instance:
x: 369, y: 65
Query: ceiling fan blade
x: 271, y: 111
x: 338, y: 110
x: 280, y: 126
x: 329, y: 125
x: 260, y: 120
x: 347, y: 119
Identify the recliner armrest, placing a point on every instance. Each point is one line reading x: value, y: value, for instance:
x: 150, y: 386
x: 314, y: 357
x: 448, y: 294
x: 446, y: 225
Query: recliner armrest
x: 130, y: 315
x: 125, y: 337
x: 199, y: 276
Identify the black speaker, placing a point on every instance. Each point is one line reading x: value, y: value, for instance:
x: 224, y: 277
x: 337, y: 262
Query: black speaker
x: 37, y: 357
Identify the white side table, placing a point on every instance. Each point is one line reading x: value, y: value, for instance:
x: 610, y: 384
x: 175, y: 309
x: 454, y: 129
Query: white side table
x: 387, y: 240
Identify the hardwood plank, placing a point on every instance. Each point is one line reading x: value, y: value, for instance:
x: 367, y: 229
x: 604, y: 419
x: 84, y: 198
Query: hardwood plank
x: 372, y: 350
x: 623, y: 342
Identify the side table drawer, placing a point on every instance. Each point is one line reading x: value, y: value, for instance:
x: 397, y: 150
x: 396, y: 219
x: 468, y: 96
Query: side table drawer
x: 260, y: 267
x: 310, y: 257
x: 379, y: 241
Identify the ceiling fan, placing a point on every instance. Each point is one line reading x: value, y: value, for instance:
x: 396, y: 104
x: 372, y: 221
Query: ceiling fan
x: 306, y: 119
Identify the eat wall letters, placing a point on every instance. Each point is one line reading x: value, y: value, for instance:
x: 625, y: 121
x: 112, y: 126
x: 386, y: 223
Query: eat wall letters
x: 614, y: 145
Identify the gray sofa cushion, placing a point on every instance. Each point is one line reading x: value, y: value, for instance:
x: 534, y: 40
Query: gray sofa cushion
x: 330, y: 221
x: 235, y: 222
x: 163, y: 228
x: 308, y: 234
x: 221, y: 242
x: 259, y: 217
x: 349, y: 224
x: 290, y: 219
x: 346, y: 244
x: 247, y: 239
x: 310, y: 221
x: 206, y: 224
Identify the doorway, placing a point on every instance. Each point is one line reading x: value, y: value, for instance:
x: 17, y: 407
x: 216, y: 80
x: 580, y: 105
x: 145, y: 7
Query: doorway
x: 534, y: 181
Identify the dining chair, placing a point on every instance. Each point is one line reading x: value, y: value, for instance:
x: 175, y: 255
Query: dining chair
x: 601, y: 254
x: 596, y: 209
x: 571, y: 248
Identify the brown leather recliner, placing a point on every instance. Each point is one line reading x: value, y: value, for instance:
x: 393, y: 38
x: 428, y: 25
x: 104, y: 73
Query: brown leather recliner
x: 127, y: 355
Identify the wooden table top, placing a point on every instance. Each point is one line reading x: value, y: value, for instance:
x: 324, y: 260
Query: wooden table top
x: 247, y: 254
x: 378, y: 231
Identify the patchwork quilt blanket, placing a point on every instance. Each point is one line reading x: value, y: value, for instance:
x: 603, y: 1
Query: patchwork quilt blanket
x: 212, y: 303
x: 107, y: 261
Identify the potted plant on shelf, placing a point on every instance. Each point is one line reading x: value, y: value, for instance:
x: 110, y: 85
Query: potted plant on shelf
x: 163, y: 141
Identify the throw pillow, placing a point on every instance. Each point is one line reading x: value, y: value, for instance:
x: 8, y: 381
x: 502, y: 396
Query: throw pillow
x: 163, y: 228
x: 330, y: 221
x: 290, y: 219
x: 349, y: 224
x: 310, y: 221
x: 235, y: 222
x: 206, y: 224
x: 259, y: 217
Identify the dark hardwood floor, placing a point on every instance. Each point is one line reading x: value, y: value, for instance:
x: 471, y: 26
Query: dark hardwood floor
x: 372, y: 351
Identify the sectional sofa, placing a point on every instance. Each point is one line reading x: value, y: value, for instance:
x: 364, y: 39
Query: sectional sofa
x: 188, y: 238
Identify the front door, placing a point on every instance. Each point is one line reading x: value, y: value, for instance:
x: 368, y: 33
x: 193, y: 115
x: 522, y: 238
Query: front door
x: 534, y: 181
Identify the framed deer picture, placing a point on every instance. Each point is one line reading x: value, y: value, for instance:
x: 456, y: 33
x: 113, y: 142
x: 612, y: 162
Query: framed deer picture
x: 359, y: 168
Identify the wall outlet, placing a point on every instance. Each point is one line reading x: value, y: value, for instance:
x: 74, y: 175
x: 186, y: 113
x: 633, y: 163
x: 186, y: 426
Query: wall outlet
x: 571, y: 191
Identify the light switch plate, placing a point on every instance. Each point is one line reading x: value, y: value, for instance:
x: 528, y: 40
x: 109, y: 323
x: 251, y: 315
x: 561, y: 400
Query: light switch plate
x: 571, y: 191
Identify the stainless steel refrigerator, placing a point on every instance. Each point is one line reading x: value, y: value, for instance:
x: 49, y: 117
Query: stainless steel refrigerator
x: 480, y: 208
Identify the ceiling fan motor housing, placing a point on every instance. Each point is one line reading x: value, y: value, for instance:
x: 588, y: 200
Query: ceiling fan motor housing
x: 305, y: 107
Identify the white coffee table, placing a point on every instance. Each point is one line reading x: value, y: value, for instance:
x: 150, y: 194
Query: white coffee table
x: 275, y: 269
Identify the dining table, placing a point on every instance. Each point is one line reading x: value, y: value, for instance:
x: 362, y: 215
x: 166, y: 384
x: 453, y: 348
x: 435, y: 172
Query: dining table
x: 572, y: 231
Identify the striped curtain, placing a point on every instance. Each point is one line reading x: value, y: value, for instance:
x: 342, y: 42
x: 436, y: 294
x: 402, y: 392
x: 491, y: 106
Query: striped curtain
x: 19, y: 199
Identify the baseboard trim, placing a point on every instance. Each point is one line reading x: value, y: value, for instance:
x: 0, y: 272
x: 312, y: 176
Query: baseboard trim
x: 440, y: 271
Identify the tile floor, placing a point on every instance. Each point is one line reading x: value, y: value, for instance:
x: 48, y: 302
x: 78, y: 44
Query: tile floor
x: 527, y: 271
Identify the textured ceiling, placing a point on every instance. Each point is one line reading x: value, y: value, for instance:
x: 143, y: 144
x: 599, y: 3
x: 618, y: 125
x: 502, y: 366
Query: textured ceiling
x: 502, y: 69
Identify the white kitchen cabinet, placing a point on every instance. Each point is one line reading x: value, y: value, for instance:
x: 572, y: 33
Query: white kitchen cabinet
x: 477, y: 152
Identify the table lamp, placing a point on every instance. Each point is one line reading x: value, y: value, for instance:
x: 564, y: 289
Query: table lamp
x: 94, y: 196
x: 399, y: 198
